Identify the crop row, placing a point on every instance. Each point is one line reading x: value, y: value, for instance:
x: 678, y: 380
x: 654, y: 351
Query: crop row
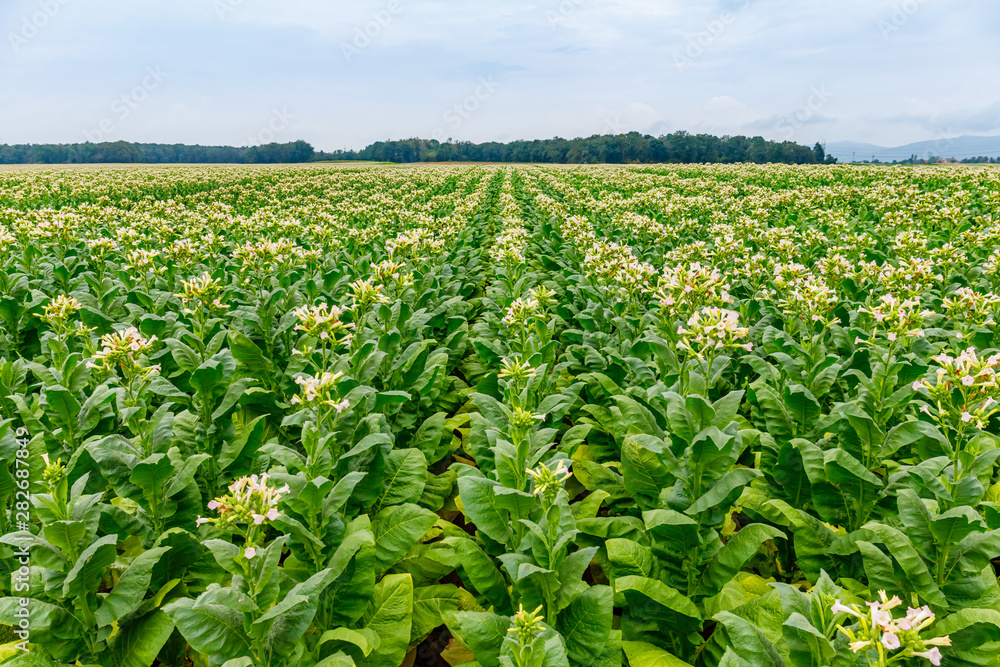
x: 500, y: 416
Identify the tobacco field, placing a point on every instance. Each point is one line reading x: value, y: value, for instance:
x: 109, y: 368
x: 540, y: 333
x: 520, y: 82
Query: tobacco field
x: 499, y: 416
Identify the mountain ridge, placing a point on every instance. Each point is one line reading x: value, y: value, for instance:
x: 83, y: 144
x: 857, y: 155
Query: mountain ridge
x: 966, y: 146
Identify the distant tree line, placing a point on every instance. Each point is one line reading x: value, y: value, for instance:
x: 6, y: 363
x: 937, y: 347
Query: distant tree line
x: 129, y: 153
x: 632, y: 148
x: 614, y: 149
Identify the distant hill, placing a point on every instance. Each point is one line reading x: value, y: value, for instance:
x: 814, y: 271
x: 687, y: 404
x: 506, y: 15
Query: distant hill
x: 959, y: 148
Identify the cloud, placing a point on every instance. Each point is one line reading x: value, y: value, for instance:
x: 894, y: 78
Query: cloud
x: 361, y: 70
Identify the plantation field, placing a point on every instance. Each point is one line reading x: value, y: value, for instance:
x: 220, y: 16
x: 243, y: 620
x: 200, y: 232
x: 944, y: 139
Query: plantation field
x: 499, y: 416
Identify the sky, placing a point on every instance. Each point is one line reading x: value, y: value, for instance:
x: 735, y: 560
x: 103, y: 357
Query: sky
x: 345, y: 73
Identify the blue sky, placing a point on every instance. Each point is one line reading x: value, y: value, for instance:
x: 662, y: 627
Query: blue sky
x: 348, y: 72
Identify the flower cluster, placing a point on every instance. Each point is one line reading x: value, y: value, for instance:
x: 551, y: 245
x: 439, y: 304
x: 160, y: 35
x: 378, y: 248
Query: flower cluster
x: 321, y: 391
x: 366, y: 294
x: 972, y: 309
x: 549, y: 482
x: 517, y: 372
x: 687, y: 288
x: 201, y: 295
x: 527, y: 628
x: 897, y: 319
x: 878, y: 629
x: 322, y: 322
x: 7, y: 241
x: 250, y: 504
x: 123, y: 350
x: 508, y: 250
x: 969, y: 379
x: 141, y: 260
x: 520, y: 312
x: 807, y: 300
x: 712, y: 330
x: 58, y: 314
x: 389, y: 272
x: 54, y: 473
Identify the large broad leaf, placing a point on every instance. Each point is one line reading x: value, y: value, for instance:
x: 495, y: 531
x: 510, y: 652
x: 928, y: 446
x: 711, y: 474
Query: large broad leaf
x: 730, y: 558
x: 354, y: 560
x: 210, y: 629
x: 975, y: 635
x: 293, y: 615
x: 911, y: 432
x: 432, y: 438
x: 802, y: 406
x: 138, y: 642
x: 481, y: 507
x: 247, y: 353
x: 396, y: 530
x: 131, y: 588
x: 747, y: 641
x: 586, y: 624
x: 65, y: 534
x: 642, y: 467
x: 482, y: 633
x: 629, y: 558
x: 390, y: 616
x: 724, y: 492
x: 86, y: 574
x: 807, y: 646
x: 481, y: 572
x: 432, y: 603
x: 405, y: 477
x: 917, y: 574
x: 644, y: 654
x: 671, y: 602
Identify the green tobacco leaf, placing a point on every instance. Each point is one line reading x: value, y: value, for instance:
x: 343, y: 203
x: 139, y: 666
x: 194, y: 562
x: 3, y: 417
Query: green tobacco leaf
x: 210, y: 629
x: 586, y: 624
x: 247, y: 353
x: 807, y: 646
x: 390, y: 616
x: 747, y: 641
x: 131, y: 588
x: 405, y: 477
x: 481, y: 507
x: 629, y: 558
x: 726, y: 489
x: 878, y: 566
x: 643, y: 654
x: 65, y: 534
x: 396, y: 530
x: 482, y: 633
x: 432, y: 603
x: 660, y: 593
x: 917, y: 574
x: 86, y: 574
x: 480, y: 571
x: 910, y: 432
x: 736, y: 552
x: 139, y: 641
